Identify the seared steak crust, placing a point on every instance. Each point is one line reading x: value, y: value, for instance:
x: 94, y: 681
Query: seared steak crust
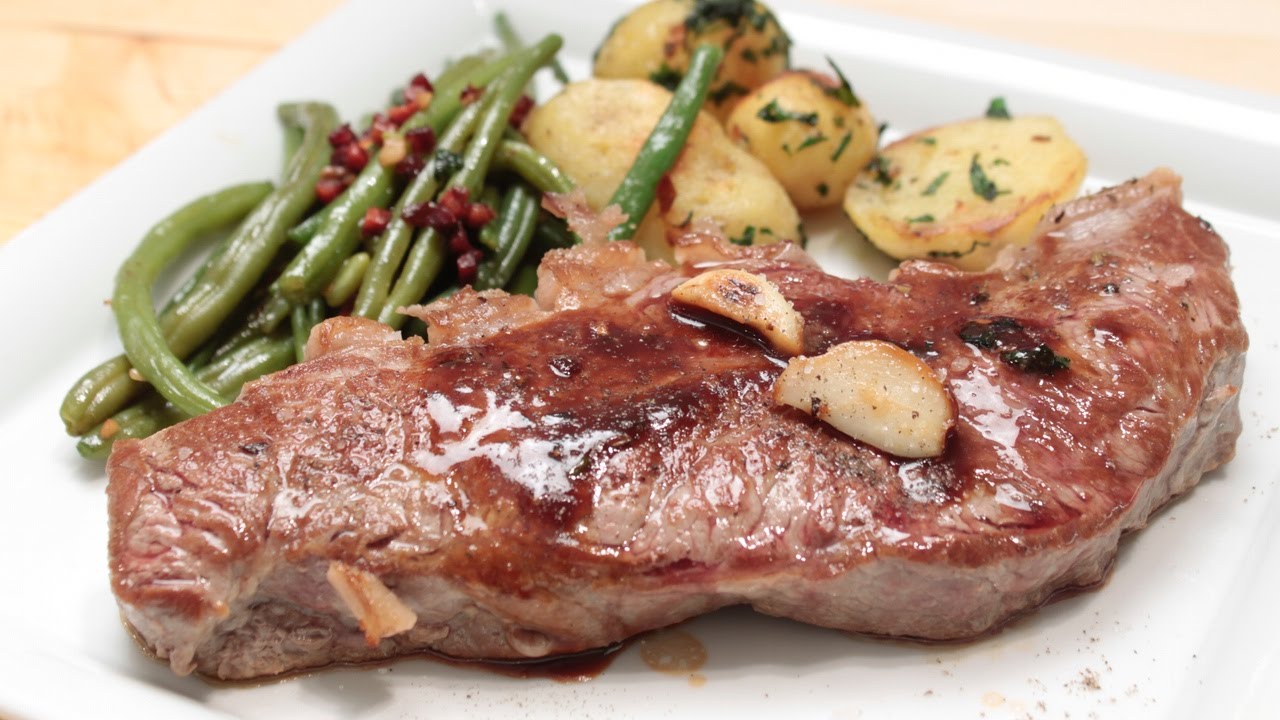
x: 551, y: 476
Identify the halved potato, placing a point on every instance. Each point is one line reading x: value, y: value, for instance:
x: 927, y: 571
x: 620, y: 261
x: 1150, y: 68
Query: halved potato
x: 655, y: 41
x: 593, y: 130
x: 811, y: 131
x: 959, y: 193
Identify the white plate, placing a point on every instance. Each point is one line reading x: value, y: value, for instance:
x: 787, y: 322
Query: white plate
x: 1184, y: 628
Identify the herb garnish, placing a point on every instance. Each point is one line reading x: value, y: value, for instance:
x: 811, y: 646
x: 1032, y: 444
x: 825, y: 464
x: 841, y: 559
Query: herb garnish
x: 1039, y: 359
x: 726, y: 91
x: 958, y: 253
x: 748, y: 236
x: 666, y: 76
x: 929, y: 140
x: 983, y: 187
x: 445, y: 164
x: 997, y: 109
x: 732, y: 12
x: 1017, y: 346
x: 925, y: 218
x: 844, y: 93
x: 936, y: 183
x: 811, y: 140
x: 844, y: 143
x: 880, y: 166
x: 773, y: 113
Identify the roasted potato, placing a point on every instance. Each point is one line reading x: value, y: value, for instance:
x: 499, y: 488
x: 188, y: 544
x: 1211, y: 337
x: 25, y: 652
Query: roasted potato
x: 593, y: 131
x: 961, y: 192
x: 655, y: 40
x: 812, y: 132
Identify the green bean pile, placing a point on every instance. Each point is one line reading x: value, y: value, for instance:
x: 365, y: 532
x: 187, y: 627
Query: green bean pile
x: 439, y: 192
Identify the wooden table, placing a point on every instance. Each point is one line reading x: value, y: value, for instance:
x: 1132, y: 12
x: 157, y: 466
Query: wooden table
x: 83, y: 83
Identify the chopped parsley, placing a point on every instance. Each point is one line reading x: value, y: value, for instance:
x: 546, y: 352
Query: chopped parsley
x: 1039, y: 359
x: 746, y: 238
x: 726, y: 91
x: 928, y: 140
x: 666, y: 76
x: 997, y: 109
x: 811, y: 141
x: 936, y: 183
x: 844, y: 143
x: 925, y: 218
x: 937, y: 254
x: 983, y: 187
x: 445, y: 164
x: 883, y: 173
x: 823, y: 189
x: 998, y: 162
x: 844, y: 93
x: 773, y: 113
x: 707, y: 12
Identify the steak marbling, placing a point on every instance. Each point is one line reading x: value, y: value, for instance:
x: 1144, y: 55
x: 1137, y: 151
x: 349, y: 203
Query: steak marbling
x: 547, y: 477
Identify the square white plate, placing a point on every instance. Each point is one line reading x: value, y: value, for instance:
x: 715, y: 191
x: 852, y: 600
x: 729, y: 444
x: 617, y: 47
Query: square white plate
x: 1184, y: 628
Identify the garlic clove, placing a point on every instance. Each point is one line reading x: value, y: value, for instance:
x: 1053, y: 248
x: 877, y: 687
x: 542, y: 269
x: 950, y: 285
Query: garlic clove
x: 875, y: 392
x: 380, y: 612
x: 748, y: 299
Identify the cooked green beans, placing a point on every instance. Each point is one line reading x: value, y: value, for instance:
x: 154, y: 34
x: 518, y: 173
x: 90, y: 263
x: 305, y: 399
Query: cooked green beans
x: 301, y: 320
x: 347, y: 281
x: 107, y: 388
x: 396, y: 238
x: 517, y: 217
x: 658, y: 154
x: 140, y: 331
x: 537, y: 169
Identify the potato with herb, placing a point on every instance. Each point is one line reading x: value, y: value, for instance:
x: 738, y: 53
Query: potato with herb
x: 961, y: 192
x: 593, y: 129
x: 655, y: 40
x: 812, y: 132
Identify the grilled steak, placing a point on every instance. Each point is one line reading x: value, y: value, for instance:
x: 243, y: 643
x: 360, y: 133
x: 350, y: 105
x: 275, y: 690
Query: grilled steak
x: 555, y: 475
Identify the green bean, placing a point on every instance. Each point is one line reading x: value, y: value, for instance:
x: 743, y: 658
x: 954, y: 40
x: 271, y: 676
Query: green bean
x: 391, y: 249
x: 347, y: 281
x: 302, y: 233
x: 302, y: 319
x: 239, y: 266
x: 107, y: 388
x: 516, y: 221
x: 658, y: 154
x: 427, y: 253
x: 511, y: 40
x: 554, y: 234
x: 150, y: 414
x: 140, y: 332
x: 536, y: 169
x: 525, y: 280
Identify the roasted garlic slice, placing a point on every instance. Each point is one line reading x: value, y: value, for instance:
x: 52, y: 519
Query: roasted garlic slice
x: 748, y: 299
x: 875, y: 392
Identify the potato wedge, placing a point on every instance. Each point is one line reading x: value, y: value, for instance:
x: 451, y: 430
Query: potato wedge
x: 655, y: 40
x: 811, y: 137
x: 593, y: 130
x: 959, y: 193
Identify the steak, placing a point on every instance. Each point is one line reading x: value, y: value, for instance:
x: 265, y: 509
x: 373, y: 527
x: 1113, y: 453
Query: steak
x: 557, y: 474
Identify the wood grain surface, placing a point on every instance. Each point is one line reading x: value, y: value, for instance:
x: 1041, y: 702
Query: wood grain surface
x: 83, y: 83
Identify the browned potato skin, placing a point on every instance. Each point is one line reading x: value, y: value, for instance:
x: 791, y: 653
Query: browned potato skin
x: 814, y: 162
x: 655, y: 37
x: 593, y: 130
x: 1030, y: 159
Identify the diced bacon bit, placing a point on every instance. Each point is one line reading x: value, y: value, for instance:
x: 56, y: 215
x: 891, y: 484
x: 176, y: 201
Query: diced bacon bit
x: 430, y: 214
x: 350, y: 156
x: 421, y: 140
x: 470, y: 94
x: 394, y: 149
x: 410, y: 166
x: 666, y: 192
x: 109, y: 428
x: 333, y: 180
x: 520, y: 111
x: 478, y: 215
x: 344, y: 135
x: 459, y: 243
x: 456, y: 200
x: 468, y: 264
x: 380, y: 613
x: 572, y: 207
x: 375, y: 221
x: 398, y: 114
x: 418, y: 84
